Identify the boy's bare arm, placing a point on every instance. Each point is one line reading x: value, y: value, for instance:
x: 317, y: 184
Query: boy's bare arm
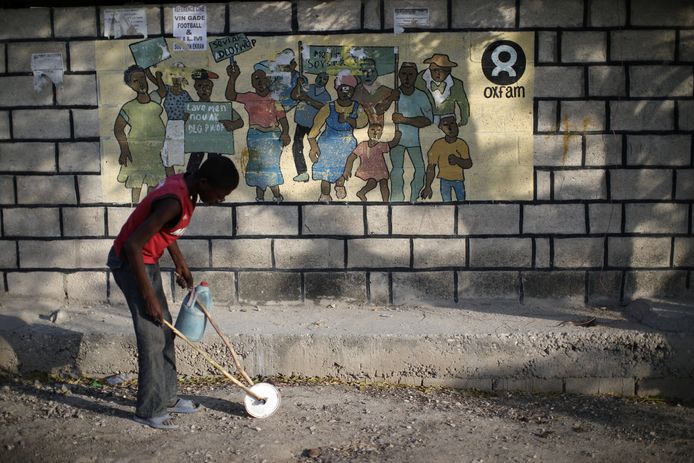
x: 431, y: 172
x: 460, y: 162
x: 233, y: 72
x: 348, y: 166
x: 396, y: 140
x: 119, y: 132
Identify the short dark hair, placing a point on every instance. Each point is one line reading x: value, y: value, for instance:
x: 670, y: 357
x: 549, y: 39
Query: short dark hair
x: 220, y: 172
x: 128, y: 74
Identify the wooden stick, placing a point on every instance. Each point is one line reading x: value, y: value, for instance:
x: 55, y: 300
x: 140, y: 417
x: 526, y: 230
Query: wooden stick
x: 301, y: 59
x: 239, y: 367
x: 213, y: 363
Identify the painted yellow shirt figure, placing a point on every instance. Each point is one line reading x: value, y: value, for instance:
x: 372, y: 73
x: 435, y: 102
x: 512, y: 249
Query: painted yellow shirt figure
x: 438, y: 155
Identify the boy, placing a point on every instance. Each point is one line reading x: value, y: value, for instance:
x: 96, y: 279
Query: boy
x: 452, y: 156
x: 157, y: 222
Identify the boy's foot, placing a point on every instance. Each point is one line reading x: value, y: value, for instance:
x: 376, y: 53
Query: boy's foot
x: 259, y: 200
x: 325, y: 198
x: 157, y: 422
x: 184, y: 406
x: 340, y: 192
x: 302, y: 177
x: 278, y: 199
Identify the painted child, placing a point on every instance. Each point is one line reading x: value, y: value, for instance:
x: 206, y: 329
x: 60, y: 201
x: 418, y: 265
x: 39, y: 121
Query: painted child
x: 154, y: 226
x: 372, y: 163
x: 452, y: 156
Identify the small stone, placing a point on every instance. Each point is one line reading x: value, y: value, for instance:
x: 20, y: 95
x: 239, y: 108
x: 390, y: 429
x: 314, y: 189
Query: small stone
x: 313, y: 453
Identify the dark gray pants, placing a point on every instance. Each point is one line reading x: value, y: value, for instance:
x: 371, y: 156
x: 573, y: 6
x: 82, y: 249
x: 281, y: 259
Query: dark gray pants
x: 156, y: 356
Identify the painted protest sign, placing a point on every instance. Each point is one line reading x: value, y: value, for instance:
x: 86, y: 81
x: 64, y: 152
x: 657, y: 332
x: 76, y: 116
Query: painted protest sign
x: 228, y: 47
x: 204, y: 130
x: 190, y: 27
x: 150, y: 52
x: 333, y: 59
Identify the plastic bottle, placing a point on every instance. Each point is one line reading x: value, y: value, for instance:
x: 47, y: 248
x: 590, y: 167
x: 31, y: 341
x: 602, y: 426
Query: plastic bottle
x: 191, y: 320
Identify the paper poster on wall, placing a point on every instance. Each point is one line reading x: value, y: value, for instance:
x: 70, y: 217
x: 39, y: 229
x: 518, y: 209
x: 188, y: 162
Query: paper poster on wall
x: 47, y: 67
x: 150, y: 52
x: 190, y: 27
x: 124, y: 21
x: 410, y: 17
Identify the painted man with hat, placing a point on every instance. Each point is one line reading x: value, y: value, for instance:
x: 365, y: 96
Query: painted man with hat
x: 445, y: 91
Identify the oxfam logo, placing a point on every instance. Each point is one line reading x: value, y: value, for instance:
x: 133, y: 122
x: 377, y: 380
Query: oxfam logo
x: 503, y: 62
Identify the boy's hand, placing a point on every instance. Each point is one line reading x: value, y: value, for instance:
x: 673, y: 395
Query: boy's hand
x: 153, y: 310
x: 184, y: 278
x: 452, y: 159
x: 398, y: 118
x: 233, y: 70
x: 285, y: 139
x: 125, y: 156
x: 426, y: 192
x: 313, y: 154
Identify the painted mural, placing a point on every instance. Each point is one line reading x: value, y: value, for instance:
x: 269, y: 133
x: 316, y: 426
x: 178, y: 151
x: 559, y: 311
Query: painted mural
x: 422, y: 117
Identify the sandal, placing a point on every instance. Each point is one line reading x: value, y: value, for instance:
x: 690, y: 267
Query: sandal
x: 184, y: 406
x: 156, y: 422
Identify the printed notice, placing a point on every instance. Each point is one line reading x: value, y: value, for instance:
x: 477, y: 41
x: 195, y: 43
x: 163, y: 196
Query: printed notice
x: 125, y: 21
x: 410, y: 17
x: 48, y: 65
x: 190, y: 27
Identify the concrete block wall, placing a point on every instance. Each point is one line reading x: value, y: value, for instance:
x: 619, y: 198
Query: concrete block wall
x: 611, y: 217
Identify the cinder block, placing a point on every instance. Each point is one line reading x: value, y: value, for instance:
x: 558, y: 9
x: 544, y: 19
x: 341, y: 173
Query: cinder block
x: 655, y: 284
x: 544, y: 385
x: 558, y: 150
x: 332, y: 220
x: 59, y: 189
x: 419, y: 220
x: 542, y: 254
x: 215, y: 18
x: 27, y: 157
x: 211, y: 221
x: 335, y: 285
x: 563, y: 13
x: 659, y: 150
x: 83, y: 221
x: 19, y: 55
x: 660, y: 81
x: 36, y: 284
x: 438, y: 12
x: 554, y: 285
x: 579, y: 252
x: 657, y: 218
x: 115, y: 295
x: 583, y: 47
x: 685, y: 109
x: 676, y: 388
x: 643, y: 115
x: 543, y: 185
x: 269, y: 286
x: 477, y: 384
x: 554, y: 219
x: 91, y: 189
x: 686, y: 45
x: 195, y: 252
x: 116, y: 217
x: 378, y: 253
x: 68, y: 254
x: 35, y: 221
x: 310, y: 253
x: 87, y: 287
x: 501, y: 252
x: 547, y: 116
x: 242, y: 253
x: 488, y: 285
x: 74, y: 22
x: 6, y: 189
x: 642, y: 45
x: 254, y: 16
x: 582, y: 116
x: 638, y: 252
x: 604, y: 287
x: 25, y: 23
x: 481, y: 14
x: 607, y: 81
x: 8, y: 254
x: 4, y: 125
x: 605, y: 218
x: 684, y: 252
x: 547, y: 46
x: 607, y: 13
x: 677, y: 14
x: 423, y: 287
x: 41, y: 123
x: 625, y: 184
x: 19, y: 91
x: 372, y: 14
x: 79, y: 157
x: 264, y: 220
x: 685, y: 184
x: 488, y: 219
x: 338, y: 15
x: 2, y: 62
x: 434, y: 252
x: 222, y: 286
x: 580, y: 184
x: 377, y: 220
x: 379, y: 288
x: 616, y: 386
x: 559, y: 82
x: 603, y: 150
x: 77, y: 90
x: 85, y: 122
x: 82, y: 55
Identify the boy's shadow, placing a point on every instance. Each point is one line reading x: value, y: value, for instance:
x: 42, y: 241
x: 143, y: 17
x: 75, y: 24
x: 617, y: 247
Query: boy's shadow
x: 228, y: 406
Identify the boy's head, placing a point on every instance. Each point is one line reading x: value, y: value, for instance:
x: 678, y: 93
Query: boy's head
x: 449, y: 125
x: 216, y: 179
x: 375, y: 131
x: 203, y: 83
x: 135, y: 78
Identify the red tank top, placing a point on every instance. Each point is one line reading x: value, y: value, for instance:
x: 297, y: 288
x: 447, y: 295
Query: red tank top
x: 173, y: 187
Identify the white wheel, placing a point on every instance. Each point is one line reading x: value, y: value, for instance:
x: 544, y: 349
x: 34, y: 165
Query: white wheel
x: 262, y: 408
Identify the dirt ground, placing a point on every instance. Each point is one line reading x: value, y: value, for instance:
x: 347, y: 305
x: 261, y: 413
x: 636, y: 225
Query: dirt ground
x: 51, y: 420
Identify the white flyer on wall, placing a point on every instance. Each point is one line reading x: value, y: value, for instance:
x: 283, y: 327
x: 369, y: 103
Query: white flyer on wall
x: 125, y: 21
x: 190, y: 27
x: 48, y: 65
x: 410, y: 17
